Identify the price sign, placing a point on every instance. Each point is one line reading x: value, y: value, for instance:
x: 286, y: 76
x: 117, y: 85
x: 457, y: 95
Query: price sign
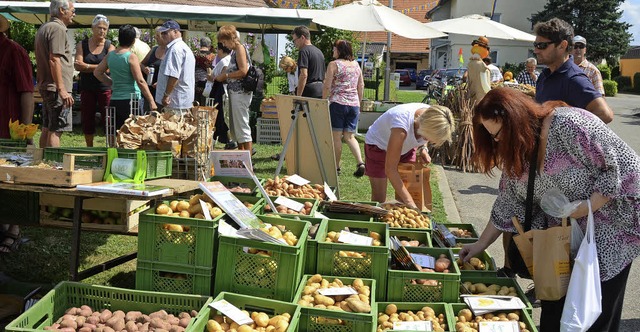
x: 330, y: 195
x: 337, y: 291
x: 424, y: 260
x: 351, y: 238
x: 289, y: 203
x: 232, y: 312
x: 413, y: 326
x: 297, y: 179
x: 498, y: 326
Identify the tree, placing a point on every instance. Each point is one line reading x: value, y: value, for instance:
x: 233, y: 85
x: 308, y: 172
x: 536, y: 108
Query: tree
x: 598, y: 21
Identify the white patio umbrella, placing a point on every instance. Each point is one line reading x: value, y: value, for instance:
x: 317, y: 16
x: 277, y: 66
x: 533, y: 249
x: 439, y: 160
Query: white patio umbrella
x: 479, y: 25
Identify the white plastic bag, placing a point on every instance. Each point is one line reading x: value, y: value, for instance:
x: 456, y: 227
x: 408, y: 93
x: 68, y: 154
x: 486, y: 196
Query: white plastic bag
x: 583, y: 303
x: 556, y: 204
x: 207, y: 89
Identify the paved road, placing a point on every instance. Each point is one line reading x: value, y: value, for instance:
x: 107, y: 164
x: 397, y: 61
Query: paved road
x: 474, y: 195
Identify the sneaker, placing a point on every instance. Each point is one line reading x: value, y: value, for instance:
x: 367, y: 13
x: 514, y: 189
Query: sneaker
x: 531, y: 296
x: 505, y: 272
x: 275, y: 157
x: 232, y: 145
x: 359, y: 171
x: 253, y: 151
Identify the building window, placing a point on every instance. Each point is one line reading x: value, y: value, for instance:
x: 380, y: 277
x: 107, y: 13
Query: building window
x: 494, y: 56
x: 496, y: 16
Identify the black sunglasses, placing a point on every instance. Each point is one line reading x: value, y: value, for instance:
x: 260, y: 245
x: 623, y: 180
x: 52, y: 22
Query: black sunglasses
x: 579, y: 46
x: 542, y: 45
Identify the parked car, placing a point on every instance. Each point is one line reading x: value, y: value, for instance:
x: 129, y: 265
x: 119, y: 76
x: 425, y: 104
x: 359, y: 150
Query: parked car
x: 405, y: 78
x: 423, y: 77
x: 413, y: 74
x: 454, y: 75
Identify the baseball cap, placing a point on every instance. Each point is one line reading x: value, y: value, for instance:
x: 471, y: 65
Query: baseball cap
x: 169, y: 25
x: 579, y: 39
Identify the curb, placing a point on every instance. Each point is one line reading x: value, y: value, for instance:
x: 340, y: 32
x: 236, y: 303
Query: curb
x: 450, y: 208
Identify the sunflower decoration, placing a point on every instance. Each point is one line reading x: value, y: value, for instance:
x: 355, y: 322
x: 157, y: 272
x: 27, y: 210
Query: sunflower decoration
x: 21, y: 131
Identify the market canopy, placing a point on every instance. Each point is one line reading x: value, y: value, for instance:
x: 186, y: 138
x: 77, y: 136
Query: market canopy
x: 189, y: 17
x: 479, y: 25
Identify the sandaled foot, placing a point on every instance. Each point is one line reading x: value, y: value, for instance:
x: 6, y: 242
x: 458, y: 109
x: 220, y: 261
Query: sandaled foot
x: 359, y: 171
x: 10, y: 242
x: 338, y: 170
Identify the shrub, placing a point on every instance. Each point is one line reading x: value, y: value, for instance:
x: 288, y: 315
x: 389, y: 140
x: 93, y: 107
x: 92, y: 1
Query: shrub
x: 615, y: 71
x: 605, y: 71
x: 624, y: 83
x: 636, y: 82
x: 610, y: 88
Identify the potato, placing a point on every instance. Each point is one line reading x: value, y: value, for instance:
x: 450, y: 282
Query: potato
x: 182, y: 206
x: 131, y: 326
x: 105, y: 315
x: 86, y: 329
x: 163, y: 209
x: 358, y: 306
x: 184, y: 322
x: 69, y: 323
x: 391, y: 309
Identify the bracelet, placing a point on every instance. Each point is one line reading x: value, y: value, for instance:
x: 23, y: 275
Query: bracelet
x: 422, y: 148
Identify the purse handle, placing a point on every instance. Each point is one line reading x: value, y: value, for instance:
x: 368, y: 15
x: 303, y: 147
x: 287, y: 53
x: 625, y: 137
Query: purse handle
x: 533, y: 165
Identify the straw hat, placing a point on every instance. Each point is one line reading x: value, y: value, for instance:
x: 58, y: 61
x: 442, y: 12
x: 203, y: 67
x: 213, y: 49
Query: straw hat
x: 4, y: 24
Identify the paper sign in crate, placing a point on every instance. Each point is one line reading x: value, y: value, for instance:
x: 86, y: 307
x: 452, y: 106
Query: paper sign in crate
x: 268, y: 109
x: 274, y: 275
x: 324, y: 320
x: 523, y: 315
x: 68, y: 294
x: 423, y: 236
x: 194, y: 243
x: 267, y: 210
x: 490, y: 278
x: 128, y: 212
x: 484, y: 256
x: 250, y: 304
x: 447, y: 289
x: 173, y: 278
x: 332, y: 261
x: 439, y: 308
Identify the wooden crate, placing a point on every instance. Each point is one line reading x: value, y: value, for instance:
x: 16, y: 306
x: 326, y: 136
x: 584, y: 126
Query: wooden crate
x: 129, y: 211
x: 68, y: 176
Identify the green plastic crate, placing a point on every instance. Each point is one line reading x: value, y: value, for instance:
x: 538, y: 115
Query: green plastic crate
x: 489, y: 278
x: 20, y: 207
x: 349, y: 216
x: 11, y: 145
x: 373, y: 266
x: 401, y: 289
x: 274, y: 277
x: 314, y: 208
x: 524, y: 316
x: 465, y: 226
x: 231, y: 182
x: 438, y: 308
x: 73, y: 294
x: 196, y: 247
x: 173, y: 278
x: 484, y: 256
x: 320, y: 320
x: 311, y: 252
x: 423, y: 236
x: 250, y: 304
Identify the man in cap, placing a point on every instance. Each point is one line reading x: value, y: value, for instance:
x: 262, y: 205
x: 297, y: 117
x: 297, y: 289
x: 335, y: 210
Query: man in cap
x: 580, y: 59
x: 175, y: 90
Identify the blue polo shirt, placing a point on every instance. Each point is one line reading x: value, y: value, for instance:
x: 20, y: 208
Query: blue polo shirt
x: 568, y: 83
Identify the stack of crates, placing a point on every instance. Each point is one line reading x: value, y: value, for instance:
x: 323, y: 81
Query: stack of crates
x: 176, y: 255
x: 268, y: 131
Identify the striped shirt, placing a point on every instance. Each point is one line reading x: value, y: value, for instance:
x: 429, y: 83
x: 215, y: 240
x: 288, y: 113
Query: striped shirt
x: 594, y: 75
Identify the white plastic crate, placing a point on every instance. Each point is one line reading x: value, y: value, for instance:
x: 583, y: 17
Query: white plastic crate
x: 268, y: 131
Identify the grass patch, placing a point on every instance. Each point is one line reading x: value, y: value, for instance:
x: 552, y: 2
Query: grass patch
x: 406, y: 96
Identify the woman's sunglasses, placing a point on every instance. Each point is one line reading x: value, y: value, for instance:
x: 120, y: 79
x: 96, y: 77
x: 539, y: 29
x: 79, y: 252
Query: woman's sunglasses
x: 542, y: 45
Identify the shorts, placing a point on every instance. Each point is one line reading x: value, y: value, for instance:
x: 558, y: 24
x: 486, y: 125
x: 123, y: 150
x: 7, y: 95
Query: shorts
x: 239, y: 116
x: 375, y: 158
x: 343, y: 117
x: 55, y: 117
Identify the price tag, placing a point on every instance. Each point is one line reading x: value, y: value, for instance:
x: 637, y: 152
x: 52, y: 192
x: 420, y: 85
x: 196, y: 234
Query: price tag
x: 337, y: 291
x: 351, y: 238
x: 289, y: 203
x: 232, y: 312
x: 498, y: 326
x: 330, y: 195
x: 205, y: 210
x: 424, y: 260
x: 320, y: 215
x: 297, y: 179
x: 413, y: 326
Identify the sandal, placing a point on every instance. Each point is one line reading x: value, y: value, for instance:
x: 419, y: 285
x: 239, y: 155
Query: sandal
x: 10, y: 241
x: 359, y: 171
x: 338, y: 170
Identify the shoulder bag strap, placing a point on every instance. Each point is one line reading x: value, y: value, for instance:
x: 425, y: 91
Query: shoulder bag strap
x: 533, y: 168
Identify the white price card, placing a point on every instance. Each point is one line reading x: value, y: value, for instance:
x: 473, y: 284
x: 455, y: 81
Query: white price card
x: 232, y: 312
x: 351, y: 238
x: 337, y: 291
x: 424, y: 260
x: 297, y: 179
x: 289, y: 203
x: 413, y: 326
x: 320, y: 215
x: 205, y: 210
x: 331, y: 196
x: 498, y: 326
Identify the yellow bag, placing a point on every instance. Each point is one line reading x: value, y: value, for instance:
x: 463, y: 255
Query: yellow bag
x: 415, y: 178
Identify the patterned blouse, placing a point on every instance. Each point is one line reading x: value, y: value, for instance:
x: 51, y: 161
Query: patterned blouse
x: 233, y: 84
x: 583, y: 156
x: 344, y: 89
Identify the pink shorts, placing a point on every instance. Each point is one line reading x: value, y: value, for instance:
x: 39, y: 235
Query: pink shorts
x: 375, y: 158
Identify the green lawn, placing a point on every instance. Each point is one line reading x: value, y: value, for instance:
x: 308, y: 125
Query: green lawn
x: 45, y: 259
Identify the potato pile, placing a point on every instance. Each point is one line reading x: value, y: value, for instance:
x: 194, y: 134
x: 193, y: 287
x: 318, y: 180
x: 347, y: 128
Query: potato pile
x: 280, y: 187
x: 190, y: 209
x: 408, y: 242
x: 261, y: 323
x: 391, y: 315
x: 404, y: 217
x: 465, y: 322
x: 240, y: 190
x: 333, y: 236
x: 474, y: 264
x: 359, y: 303
x: 281, y: 233
x: 493, y: 289
x: 84, y: 319
x: 308, y: 206
x: 462, y: 233
x: 442, y: 265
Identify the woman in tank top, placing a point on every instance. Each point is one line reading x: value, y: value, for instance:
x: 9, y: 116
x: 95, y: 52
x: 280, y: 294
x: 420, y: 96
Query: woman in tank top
x: 93, y: 93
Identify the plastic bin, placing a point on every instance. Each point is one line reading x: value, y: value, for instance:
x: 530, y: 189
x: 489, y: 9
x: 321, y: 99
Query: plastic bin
x: 268, y: 131
x: 422, y: 236
x: 250, y: 304
x: 438, y: 308
x: 10, y: 145
x: 468, y: 227
x: 524, y: 316
x: 311, y: 252
x: 485, y: 257
x: 314, y: 208
x: 324, y: 320
x: 401, y: 289
x: 73, y: 294
x: 374, y: 265
x: 489, y: 278
x: 173, y: 278
x: 275, y: 276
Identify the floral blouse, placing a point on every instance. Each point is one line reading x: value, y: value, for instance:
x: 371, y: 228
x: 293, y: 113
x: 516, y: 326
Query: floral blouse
x: 583, y: 156
x: 344, y: 89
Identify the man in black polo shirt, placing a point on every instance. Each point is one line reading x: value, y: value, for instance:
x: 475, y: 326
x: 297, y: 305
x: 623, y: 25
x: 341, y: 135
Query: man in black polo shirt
x: 310, y: 64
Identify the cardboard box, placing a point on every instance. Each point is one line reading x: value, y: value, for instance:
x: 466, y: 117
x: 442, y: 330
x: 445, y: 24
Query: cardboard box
x: 268, y: 109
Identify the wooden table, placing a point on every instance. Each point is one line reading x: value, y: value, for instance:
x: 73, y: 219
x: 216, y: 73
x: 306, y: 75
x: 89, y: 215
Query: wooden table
x: 178, y: 186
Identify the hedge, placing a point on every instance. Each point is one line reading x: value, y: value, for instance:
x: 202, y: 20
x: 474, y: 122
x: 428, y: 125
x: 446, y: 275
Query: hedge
x: 605, y: 71
x: 624, y: 83
x: 610, y: 88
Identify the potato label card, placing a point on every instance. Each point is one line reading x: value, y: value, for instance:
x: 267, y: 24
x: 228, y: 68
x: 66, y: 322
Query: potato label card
x: 232, y: 312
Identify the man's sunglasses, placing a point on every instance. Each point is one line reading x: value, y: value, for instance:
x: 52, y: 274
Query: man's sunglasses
x: 579, y: 46
x: 542, y: 45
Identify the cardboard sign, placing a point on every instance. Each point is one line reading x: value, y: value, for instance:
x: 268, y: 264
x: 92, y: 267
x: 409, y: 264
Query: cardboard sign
x: 231, y: 163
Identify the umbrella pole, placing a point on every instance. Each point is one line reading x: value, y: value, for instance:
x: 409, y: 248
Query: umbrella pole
x: 364, y: 47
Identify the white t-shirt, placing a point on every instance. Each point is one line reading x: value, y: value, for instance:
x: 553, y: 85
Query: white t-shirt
x: 293, y: 81
x: 217, y: 69
x: 401, y: 116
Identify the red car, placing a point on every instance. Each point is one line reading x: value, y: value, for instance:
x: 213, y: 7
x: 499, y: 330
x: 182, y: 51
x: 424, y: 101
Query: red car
x: 405, y: 78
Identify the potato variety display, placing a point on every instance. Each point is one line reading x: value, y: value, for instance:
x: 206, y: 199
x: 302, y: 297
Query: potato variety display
x: 308, y: 206
x: 358, y: 303
x: 466, y: 322
x: 472, y: 265
x: 462, y: 233
x: 84, y: 319
x: 493, y: 289
x: 391, y: 315
x: 404, y: 217
x: 261, y: 323
x: 334, y: 236
x: 280, y: 187
x: 281, y: 233
x: 442, y: 265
